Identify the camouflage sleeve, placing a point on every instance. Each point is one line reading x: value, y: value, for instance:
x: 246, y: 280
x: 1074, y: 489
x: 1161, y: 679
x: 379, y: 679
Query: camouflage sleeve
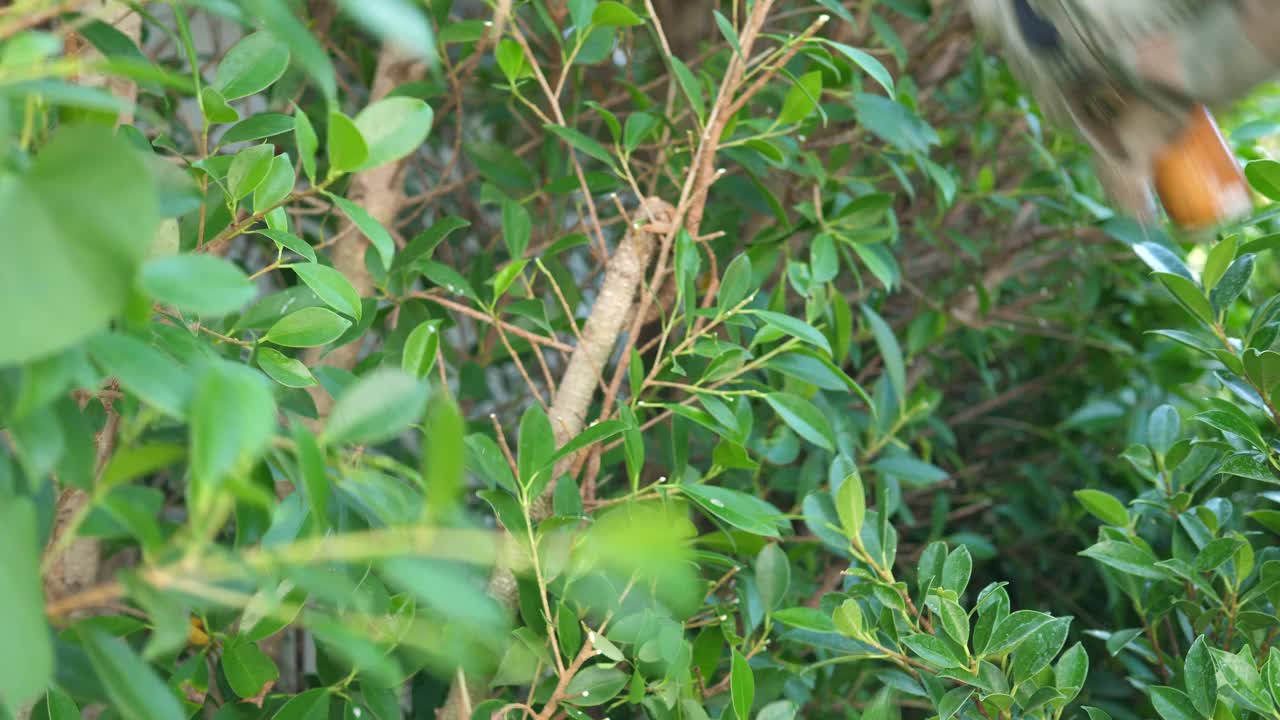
x: 1127, y: 74
x: 1235, y: 50
x: 1178, y: 52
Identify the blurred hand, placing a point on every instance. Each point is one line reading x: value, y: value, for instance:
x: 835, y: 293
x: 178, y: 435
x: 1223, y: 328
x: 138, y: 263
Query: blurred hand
x: 1127, y: 75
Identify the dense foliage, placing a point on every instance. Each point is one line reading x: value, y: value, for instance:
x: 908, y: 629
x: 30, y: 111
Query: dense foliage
x: 586, y: 359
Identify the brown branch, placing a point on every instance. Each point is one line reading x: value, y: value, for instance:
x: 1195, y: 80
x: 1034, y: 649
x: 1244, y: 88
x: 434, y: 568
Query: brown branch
x: 516, y: 330
x: 600, y: 333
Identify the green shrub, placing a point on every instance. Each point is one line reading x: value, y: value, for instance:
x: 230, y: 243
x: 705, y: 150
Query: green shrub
x: 383, y: 359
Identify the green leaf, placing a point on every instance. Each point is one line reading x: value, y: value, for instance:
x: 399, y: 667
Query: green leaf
x: 943, y: 179
x: 136, y: 692
x: 247, y: 668
x: 957, y: 570
x: 851, y: 505
x: 276, y: 186
x: 448, y: 278
x: 347, y: 148
x: 503, y: 279
x: 201, y: 284
x: 24, y: 674
x: 1264, y: 176
x: 392, y: 128
x: 1234, y: 421
x: 1248, y: 465
x: 420, y: 349
x: 369, y: 225
x: 814, y: 370
x: 1270, y: 519
x: 568, y: 630
x: 794, y: 327
x: 443, y: 462
x: 614, y: 14
x: 738, y: 509
x: 135, y: 462
x: 955, y: 621
x: 880, y: 262
x: 516, y: 227
x: 805, y: 618
x: 804, y: 418
x: 144, y: 371
x: 776, y: 710
x: 1072, y: 670
x: 1272, y: 669
x: 581, y: 143
x: 639, y: 126
x: 911, y: 471
x: 1200, y: 677
x: 1127, y: 558
x: 311, y: 465
x: 511, y: 59
x: 690, y: 87
x: 289, y: 372
x: 1162, y: 260
x: 232, y: 420
x: 1163, y: 429
x: 248, y: 169
x: 308, y: 143
x: 1173, y: 704
x: 742, y: 686
x: 773, y: 575
x: 257, y: 127
x: 1187, y: 339
x: 1218, y: 261
x: 933, y: 651
x: 250, y: 66
x: 595, y: 685
x: 1240, y: 674
x: 1104, y: 507
x: 1012, y: 630
x: 953, y: 701
x: 1096, y: 714
x: 216, y: 109
x: 1215, y: 553
x: 424, y: 243
x: 802, y: 98
x: 848, y: 619
x: 727, y: 30
x: 1233, y: 283
x: 596, y: 432
x: 1188, y: 296
x: 57, y: 705
x: 535, y: 448
x: 86, y: 227
x: 308, y: 327
x: 289, y: 241
x: 376, y: 408
x: 331, y: 286
x: 869, y: 64
x: 890, y: 351
x: 1039, y: 648
x: 307, y: 705
x: 894, y: 123
x: 464, y: 31
x: 824, y: 260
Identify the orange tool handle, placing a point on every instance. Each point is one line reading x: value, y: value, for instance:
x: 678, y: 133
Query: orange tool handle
x: 1198, y: 178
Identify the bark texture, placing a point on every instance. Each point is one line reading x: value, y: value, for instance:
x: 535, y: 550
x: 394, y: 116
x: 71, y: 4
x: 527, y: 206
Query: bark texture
x: 614, y: 308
